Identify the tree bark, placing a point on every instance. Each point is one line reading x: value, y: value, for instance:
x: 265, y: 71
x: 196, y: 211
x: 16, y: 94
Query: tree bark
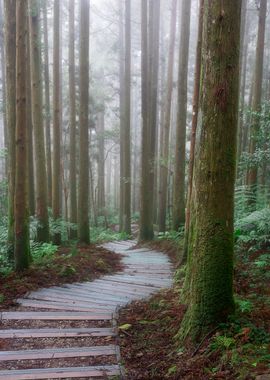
x: 21, y: 212
x: 83, y: 196
x: 180, y: 147
x: 208, y: 287
x: 37, y: 120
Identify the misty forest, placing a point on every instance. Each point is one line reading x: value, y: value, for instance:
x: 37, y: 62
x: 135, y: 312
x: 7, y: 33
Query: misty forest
x: 135, y: 189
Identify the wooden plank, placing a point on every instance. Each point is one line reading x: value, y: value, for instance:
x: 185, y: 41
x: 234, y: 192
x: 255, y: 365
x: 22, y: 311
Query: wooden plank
x: 57, y: 353
x: 114, y: 284
x: 58, y: 306
x: 56, y: 333
x: 131, y: 280
x: 60, y: 373
x: 129, y: 290
x: 54, y: 316
x: 128, y: 293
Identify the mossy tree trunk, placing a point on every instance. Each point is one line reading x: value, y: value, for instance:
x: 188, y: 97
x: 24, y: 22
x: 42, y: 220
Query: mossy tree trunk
x: 56, y: 179
x: 10, y: 50
x: 209, y: 280
x: 178, y: 215
x: 72, y: 123
x: 83, y: 194
x: 21, y: 212
x: 37, y: 120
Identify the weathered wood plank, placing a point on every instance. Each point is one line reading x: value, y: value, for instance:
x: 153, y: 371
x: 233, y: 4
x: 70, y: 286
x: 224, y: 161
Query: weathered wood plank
x: 46, y: 315
x: 56, y: 333
x: 61, y: 373
x: 59, y: 306
x: 57, y: 353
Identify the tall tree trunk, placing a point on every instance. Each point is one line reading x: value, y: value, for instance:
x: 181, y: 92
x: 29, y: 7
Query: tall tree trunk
x: 83, y: 196
x: 72, y: 123
x: 121, y: 112
x: 56, y: 179
x: 37, y: 119
x: 195, y: 104
x: 256, y: 105
x: 22, y: 246
x: 209, y: 279
x: 180, y: 148
x: 10, y: 49
x: 164, y: 146
x: 3, y: 78
x: 47, y: 104
x: 127, y: 167
x: 149, y: 64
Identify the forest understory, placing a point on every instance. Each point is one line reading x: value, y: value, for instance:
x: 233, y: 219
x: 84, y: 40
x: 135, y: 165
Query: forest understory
x: 239, y: 349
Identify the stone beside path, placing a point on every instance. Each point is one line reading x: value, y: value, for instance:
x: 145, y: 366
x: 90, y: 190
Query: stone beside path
x: 84, y: 312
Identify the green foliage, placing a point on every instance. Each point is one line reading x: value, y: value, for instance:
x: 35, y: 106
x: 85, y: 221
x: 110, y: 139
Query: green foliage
x: 100, y: 234
x: 175, y: 236
x: 67, y: 270
x: 245, y: 306
x: 222, y: 342
x: 40, y: 251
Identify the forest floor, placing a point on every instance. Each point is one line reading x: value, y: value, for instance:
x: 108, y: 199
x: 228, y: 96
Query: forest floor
x: 69, y: 264
x: 240, y: 349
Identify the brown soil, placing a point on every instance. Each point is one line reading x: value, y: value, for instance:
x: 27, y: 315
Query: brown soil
x: 89, y: 263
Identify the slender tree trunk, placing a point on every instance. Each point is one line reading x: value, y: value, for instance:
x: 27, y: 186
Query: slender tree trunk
x: 195, y: 104
x: 10, y: 49
x: 101, y: 164
x: 31, y: 169
x: 83, y: 197
x: 72, y: 122
x: 208, y: 287
x: 37, y: 119
x: 56, y: 179
x: 164, y: 153
x: 127, y: 167
x: 121, y: 112
x: 22, y: 247
x: 256, y: 105
x: 180, y: 148
x: 47, y: 104
x: 3, y: 77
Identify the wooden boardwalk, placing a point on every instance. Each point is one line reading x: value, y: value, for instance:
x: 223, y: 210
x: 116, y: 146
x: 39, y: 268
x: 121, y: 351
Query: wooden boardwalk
x: 80, y: 312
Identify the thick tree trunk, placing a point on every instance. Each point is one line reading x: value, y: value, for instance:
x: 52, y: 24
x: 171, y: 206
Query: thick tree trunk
x: 37, y: 120
x: 164, y: 147
x: 83, y: 195
x: 180, y: 147
x: 47, y: 104
x: 56, y: 179
x: 10, y: 49
x: 256, y: 105
x: 195, y: 104
x: 127, y: 167
x: 72, y: 123
x: 209, y: 280
x: 22, y: 247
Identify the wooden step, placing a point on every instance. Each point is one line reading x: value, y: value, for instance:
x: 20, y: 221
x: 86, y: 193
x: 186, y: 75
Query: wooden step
x: 61, y: 373
x: 59, y: 306
x: 54, y: 316
x: 56, y: 333
x: 57, y: 353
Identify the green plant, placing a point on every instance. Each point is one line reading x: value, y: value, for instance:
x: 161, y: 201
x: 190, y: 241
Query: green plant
x: 42, y: 250
x: 222, y: 342
x: 245, y: 306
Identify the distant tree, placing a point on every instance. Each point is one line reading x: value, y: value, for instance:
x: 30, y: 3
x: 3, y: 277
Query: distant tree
x: 101, y: 162
x: 83, y: 192
x: 208, y: 287
x: 37, y: 120
x: 21, y: 212
x: 56, y: 178
x: 180, y: 144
